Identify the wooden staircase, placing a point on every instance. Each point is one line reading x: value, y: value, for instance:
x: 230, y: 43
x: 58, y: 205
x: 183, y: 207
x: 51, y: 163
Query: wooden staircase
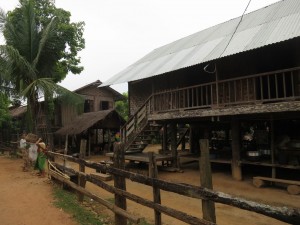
x: 145, y: 137
x: 136, y: 134
x: 139, y: 131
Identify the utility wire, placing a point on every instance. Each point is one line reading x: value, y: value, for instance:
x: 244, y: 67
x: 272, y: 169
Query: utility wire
x: 235, y: 29
x: 237, y: 26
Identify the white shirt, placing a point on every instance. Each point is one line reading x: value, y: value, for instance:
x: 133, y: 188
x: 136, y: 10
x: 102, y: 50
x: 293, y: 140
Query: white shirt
x: 22, y: 143
x: 32, y: 152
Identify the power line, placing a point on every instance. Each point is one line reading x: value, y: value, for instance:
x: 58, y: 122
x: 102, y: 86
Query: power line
x: 235, y: 29
x: 237, y: 26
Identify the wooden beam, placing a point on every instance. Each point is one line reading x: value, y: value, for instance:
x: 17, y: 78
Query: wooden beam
x: 208, y: 207
x: 119, y: 182
x: 81, y: 179
x: 273, y: 147
x: 165, y: 139
x: 173, y: 137
x: 153, y: 173
x: 236, y: 169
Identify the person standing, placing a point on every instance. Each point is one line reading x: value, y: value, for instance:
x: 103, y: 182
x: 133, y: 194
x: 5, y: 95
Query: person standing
x: 40, y: 163
x: 25, y: 154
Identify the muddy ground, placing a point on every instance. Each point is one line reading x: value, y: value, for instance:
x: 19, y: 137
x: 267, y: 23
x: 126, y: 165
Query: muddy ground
x: 27, y: 200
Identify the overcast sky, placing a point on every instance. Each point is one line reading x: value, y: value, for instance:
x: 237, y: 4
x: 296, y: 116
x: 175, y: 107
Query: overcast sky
x: 119, y: 32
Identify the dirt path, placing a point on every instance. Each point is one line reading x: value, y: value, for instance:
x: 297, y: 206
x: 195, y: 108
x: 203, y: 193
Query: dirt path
x: 26, y: 199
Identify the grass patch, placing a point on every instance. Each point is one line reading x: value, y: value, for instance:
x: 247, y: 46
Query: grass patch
x: 111, y: 200
x: 142, y: 222
x: 68, y: 202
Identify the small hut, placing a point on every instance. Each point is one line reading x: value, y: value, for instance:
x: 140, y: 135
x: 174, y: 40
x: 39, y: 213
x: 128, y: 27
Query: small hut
x: 96, y: 128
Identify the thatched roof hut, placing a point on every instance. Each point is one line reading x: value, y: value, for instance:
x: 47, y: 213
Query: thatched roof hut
x: 106, y: 119
x: 18, y: 112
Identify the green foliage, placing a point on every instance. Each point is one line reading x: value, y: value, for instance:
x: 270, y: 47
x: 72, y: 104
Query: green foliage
x: 41, y: 48
x: 45, y: 37
x: 68, y: 202
x: 5, y: 118
x: 122, y: 106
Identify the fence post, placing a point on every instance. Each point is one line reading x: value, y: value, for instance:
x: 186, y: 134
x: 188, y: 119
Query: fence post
x: 153, y: 173
x: 208, y: 207
x: 119, y: 182
x: 81, y: 179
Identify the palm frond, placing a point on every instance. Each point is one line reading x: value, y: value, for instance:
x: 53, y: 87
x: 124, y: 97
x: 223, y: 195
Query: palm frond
x: 2, y: 19
x: 47, y: 87
x: 30, y: 30
x: 46, y: 35
x: 68, y: 97
x: 10, y: 57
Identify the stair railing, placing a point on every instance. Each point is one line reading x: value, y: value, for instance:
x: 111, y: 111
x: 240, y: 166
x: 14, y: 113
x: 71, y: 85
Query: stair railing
x: 136, y: 123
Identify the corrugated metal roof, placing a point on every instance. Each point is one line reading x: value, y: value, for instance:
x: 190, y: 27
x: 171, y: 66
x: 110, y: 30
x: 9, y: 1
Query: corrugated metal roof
x: 272, y: 24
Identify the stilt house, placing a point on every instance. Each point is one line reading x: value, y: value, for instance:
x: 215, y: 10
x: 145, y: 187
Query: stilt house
x: 236, y: 84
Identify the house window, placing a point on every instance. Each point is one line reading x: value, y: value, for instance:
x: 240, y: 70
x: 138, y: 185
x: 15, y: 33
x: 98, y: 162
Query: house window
x: 88, y: 106
x: 104, y: 105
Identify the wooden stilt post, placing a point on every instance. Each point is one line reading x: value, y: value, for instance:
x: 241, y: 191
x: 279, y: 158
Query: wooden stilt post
x: 191, y: 144
x: 208, y: 207
x: 82, y: 151
x: 81, y: 179
x: 153, y: 173
x: 183, y: 144
x: 194, y: 139
x: 236, y: 169
x: 165, y: 139
x: 173, y: 137
x: 66, y: 148
x: 89, y: 145
x: 119, y: 182
x: 273, y: 148
x: 109, y: 140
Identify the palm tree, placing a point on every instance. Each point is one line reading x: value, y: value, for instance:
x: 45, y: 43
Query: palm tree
x: 28, y: 61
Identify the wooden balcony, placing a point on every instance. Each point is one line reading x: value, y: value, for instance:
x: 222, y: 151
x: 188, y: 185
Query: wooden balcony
x: 276, y: 86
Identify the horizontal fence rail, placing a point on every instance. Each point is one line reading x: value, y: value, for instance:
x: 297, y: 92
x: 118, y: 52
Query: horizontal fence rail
x: 285, y: 214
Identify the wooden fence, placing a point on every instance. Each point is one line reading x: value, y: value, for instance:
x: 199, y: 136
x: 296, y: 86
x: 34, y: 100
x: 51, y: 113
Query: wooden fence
x: 285, y: 214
